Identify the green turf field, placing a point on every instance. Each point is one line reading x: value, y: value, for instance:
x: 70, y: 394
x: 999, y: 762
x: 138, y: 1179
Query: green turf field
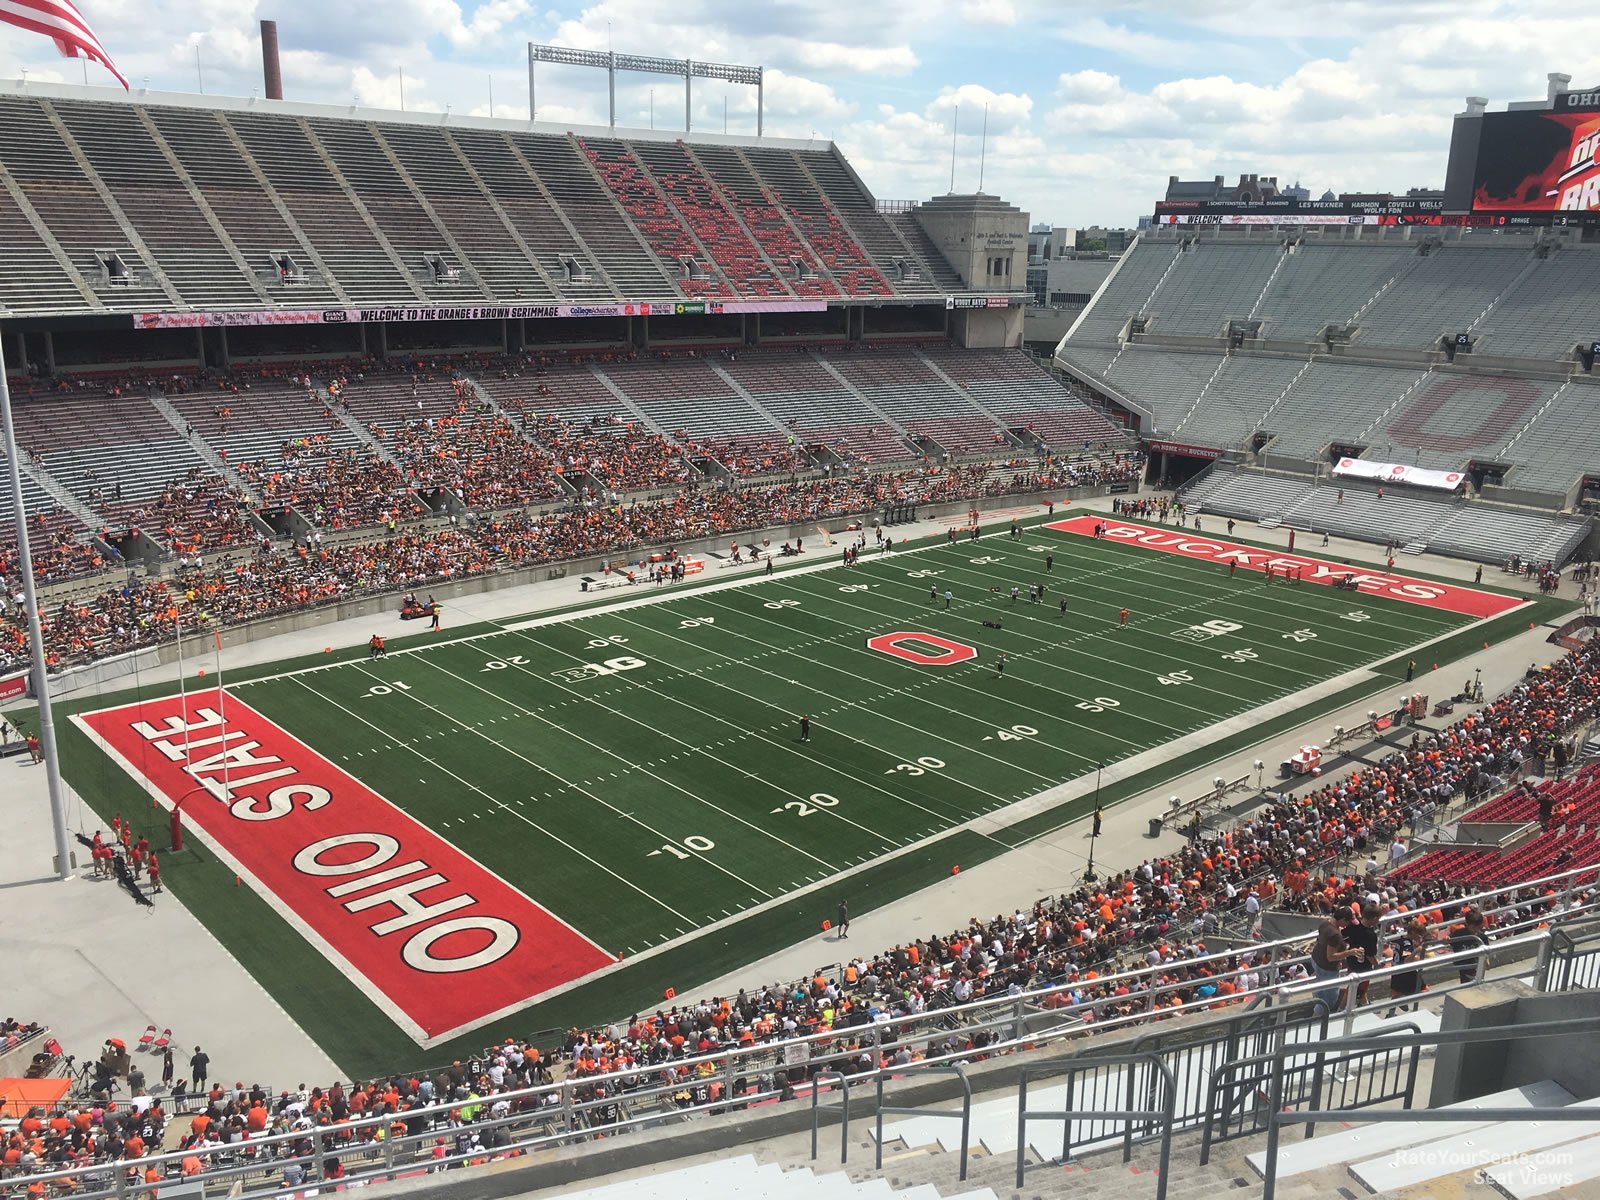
x: 680, y: 789
x: 670, y: 791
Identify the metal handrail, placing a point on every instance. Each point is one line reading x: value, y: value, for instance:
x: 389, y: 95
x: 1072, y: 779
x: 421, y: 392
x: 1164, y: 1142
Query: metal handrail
x: 844, y: 1111
x: 1277, y: 1119
x: 1226, y: 1093
x: 1074, y: 1066
x: 964, y: 1112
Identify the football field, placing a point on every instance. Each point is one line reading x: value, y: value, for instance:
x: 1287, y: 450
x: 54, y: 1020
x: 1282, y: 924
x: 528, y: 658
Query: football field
x: 476, y: 823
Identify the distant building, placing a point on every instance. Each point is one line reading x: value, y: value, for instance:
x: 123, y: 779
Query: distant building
x: 1111, y: 241
x: 1046, y: 242
x: 1251, y: 189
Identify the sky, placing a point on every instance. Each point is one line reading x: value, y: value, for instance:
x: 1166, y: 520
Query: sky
x: 1088, y: 110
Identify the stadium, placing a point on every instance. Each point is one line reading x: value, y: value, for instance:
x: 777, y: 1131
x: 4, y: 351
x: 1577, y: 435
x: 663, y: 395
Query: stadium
x: 594, y: 658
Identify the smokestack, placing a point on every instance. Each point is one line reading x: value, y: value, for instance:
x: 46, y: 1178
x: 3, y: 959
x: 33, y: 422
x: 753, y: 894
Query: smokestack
x: 271, y: 72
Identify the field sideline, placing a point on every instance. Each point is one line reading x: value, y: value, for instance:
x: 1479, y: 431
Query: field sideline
x: 635, y: 771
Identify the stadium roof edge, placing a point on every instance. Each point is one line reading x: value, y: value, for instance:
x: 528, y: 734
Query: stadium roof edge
x: 300, y: 108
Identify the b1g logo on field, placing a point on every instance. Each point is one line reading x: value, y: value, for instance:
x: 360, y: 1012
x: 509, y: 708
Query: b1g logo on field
x: 611, y: 666
x: 923, y: 649
x: 1207, y: 630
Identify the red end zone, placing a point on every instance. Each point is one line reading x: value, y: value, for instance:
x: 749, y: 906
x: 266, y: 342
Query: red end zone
x: 1464, y: 600
x: 436, y: 940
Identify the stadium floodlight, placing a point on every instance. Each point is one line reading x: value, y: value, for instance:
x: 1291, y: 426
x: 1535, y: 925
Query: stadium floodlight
x: 612, y: 62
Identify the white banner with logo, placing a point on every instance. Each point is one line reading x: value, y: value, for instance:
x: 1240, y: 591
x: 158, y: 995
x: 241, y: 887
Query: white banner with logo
x: 1360, y: 468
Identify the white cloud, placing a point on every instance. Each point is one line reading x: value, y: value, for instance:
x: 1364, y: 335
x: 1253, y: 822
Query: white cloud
x: 989, y: 12
x: 832, y: 56
x: 1006, y: 110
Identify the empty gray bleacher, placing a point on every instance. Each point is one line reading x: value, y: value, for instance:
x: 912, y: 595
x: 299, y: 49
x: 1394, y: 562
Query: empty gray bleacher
x: 394, y: 209
x: 807, y: 400
x: 261, y: 420
x: 1238, y: 398
x: 1325, y: 285
x: 239, y: 203
x: 575, y: 395
x: 505, y: 174
x: 1575, y: 1163
x: 1123, y: 295
x: 588, y: 204
x: 1561, y: 444
x: 32, y: 278
x: 1495, y: 534
x: 908, y: 391
x: 690, y: 397
x: 1506, y: 1141
x: 69, y: 206
x: 1397, y: 516
x: 833, y: 241
x: 944, y: 277
x: 1332, y: 1148
x: 463, y: 209
x: 1453, y: 417
x: 1022, y: 393
x: 1167, y: 382
x: 872, y: 229
x: 1212, y: 283
x: 159, y: 206
x: 323, y: 212
x: 1444, y: 293
x: 1248, y: 494
x: 1334, y: 400
x: 1550, y: 311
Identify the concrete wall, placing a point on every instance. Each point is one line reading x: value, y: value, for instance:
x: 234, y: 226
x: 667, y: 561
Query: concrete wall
x: 971, y: 231
x: 14, y: 1063
x: 1465, y: 1072
x: 988, y: 328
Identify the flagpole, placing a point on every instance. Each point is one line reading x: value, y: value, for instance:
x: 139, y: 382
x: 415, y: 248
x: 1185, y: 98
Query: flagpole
x: 183, y: 686
x: 41, y: 681
x: 222, y: 715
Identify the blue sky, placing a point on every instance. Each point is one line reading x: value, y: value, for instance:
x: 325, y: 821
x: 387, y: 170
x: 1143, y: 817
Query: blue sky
x: 1087, y: 114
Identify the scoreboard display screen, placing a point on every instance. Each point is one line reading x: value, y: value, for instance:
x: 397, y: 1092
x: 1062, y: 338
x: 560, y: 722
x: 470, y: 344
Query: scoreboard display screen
x: 1538, y: 161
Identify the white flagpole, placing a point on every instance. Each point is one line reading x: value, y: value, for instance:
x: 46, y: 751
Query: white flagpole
x: 183, y: 684
x: 41, y: 680
x: 222, y: 715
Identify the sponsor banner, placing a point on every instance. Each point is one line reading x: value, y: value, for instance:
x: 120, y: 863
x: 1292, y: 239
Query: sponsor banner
x: 13, y: 686
x: 511, y: 312
x: 436, y: 940
x: 1185, y: 449
x: 977, y: 301
x: 1467, y: 601
x: 1360, y: 468
x: 1474, y: 220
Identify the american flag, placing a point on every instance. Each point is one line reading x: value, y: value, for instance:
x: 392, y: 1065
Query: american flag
x: 61, y: 21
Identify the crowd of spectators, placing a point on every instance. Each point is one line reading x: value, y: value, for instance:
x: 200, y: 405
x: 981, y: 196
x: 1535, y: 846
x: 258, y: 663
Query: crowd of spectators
x: 247, y: 584
x: 479, y: 456
x: 189, y: 517
x: 333, y: 487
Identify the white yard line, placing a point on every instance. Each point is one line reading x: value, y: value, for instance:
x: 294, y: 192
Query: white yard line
x: 628, y: 764
x: 470, y: 786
